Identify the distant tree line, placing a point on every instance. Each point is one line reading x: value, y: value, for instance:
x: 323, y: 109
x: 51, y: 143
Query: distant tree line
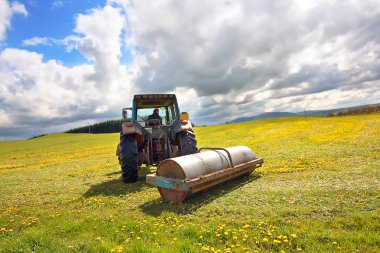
x: 37, y: 136
x: 110, y: 126
x: 354, y: 111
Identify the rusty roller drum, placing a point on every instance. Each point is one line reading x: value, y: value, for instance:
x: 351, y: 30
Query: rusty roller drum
x: 177, y: 178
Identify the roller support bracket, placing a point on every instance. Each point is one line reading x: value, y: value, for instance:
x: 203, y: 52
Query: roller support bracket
x: 214, y: 148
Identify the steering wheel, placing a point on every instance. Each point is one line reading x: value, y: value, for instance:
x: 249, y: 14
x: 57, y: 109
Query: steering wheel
x: 141, y: 118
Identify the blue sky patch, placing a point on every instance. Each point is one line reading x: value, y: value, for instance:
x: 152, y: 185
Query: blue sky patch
x: 53, y: 20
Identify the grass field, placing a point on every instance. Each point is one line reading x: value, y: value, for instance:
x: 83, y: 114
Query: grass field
x: 318, y: 191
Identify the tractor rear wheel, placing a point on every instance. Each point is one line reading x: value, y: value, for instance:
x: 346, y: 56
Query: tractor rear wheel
x: 187, y: 143
x: 128, y: 158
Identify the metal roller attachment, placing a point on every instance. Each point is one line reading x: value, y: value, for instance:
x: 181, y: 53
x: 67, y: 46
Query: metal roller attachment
x: 177, y: 178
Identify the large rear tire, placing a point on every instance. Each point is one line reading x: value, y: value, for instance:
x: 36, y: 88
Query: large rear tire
x: 187, y: 143
x: 128, y: 159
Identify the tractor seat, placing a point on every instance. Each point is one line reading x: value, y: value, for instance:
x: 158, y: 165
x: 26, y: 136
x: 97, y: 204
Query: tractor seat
x: 154, y: 122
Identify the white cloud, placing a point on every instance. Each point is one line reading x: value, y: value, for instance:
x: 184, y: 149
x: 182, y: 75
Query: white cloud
x: 57, y: 4
x: 35, y: 41
x: 40, y: 94
x: 5, y: 119
x: 35, y: 90
x: 37, y: 93
x: 101, y: 109
x: 6, y: 12
x: 99, y: 40
x: 272, y: 52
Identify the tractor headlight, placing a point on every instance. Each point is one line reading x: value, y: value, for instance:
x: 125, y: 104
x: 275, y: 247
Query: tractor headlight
x: 184, y: 117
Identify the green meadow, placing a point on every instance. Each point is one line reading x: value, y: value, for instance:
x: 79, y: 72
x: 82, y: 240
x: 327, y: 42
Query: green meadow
x: 318, y: 191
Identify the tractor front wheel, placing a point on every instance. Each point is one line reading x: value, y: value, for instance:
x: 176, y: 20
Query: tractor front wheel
x: 187, y: 143
x: 128, y: 158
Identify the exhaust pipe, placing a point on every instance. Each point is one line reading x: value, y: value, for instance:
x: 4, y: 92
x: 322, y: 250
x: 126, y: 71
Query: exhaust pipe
x: 177, y: 178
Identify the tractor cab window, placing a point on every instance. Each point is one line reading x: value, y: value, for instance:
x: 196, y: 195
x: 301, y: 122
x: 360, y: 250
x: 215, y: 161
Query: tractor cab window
x: 143, y: 114
x: 171, y: 114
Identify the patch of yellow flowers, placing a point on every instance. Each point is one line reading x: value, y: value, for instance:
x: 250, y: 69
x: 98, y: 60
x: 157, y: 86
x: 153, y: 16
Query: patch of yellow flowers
x: 248, y: 238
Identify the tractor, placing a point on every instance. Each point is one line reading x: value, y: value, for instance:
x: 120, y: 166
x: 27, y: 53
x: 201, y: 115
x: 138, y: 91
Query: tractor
x: 150, y: 140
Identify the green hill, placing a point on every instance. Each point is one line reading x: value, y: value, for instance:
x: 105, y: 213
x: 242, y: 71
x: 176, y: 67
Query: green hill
x: 355, y: 110
x: 318, y: 191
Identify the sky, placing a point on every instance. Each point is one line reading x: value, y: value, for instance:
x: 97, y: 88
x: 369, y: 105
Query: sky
x: 66, y: 64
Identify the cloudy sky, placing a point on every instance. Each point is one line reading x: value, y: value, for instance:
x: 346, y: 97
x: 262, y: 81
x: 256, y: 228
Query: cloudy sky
x: 70, y: 63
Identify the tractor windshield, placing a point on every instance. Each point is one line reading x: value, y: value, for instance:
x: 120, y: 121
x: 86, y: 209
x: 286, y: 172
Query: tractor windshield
x: 166, y: 113
x: 143, y: 114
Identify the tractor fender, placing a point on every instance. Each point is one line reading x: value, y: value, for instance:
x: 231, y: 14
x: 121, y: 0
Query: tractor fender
x: 179, y: 126
x: 131, y: 128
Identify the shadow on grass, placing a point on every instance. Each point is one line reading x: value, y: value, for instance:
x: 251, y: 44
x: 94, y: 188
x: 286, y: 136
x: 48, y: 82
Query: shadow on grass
x: 115, y: 186
x: 113, y: 173
x: 158, y: 206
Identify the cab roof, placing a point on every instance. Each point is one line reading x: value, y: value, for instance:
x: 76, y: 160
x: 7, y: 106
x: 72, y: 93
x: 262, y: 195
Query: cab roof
x: 154, y: 100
